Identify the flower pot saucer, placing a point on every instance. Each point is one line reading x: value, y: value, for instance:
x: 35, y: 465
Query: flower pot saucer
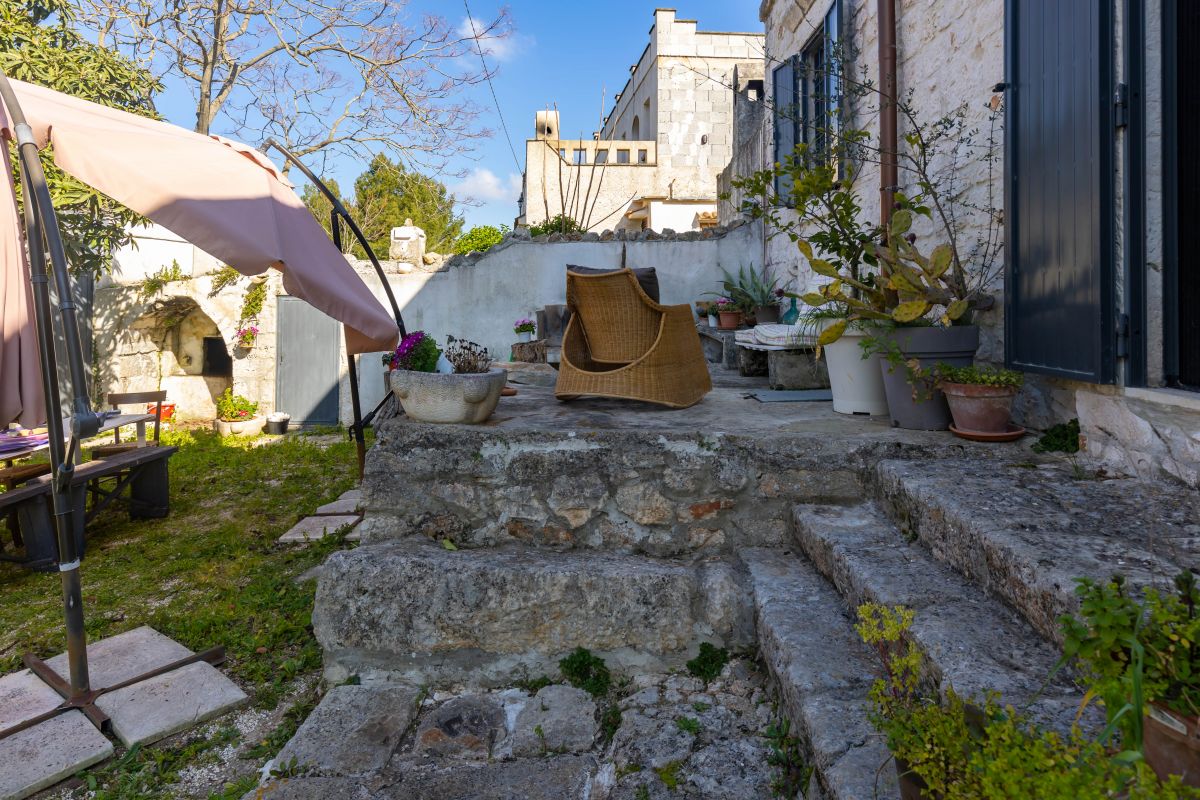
x: 508, y: 391
x: 1013, y: 433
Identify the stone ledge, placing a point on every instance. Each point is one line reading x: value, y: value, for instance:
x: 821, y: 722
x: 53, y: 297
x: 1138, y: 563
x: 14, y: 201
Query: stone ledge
x: 1025, y: 534
x: 417, y: 612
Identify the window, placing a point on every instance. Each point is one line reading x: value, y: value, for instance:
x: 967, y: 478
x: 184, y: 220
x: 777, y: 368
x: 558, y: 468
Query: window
x: 562, y: 153
x: 622, y: 156
x: 805, y: 92
x: 642, y: 156
x: 601, y: 156
x: 579, y: 156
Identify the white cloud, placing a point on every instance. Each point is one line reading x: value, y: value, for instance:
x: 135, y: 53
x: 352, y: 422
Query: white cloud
x: 498, y: 48
x: 484, y: 186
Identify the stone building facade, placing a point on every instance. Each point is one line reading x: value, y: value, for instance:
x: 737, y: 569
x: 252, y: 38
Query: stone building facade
x: 1140, y: 411
x: 654, y: 163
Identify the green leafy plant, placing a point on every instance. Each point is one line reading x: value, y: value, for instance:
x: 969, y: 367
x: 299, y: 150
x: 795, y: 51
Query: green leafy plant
x: 222, y: 278
x: 1133, y: 653
x: 253, y: 300
x: 669, y: 774
x: 749, y: 289
x: 480, y: 238
x: 153, y: 284
x: 978, y: 376
x: 1060, y: 438
x: 786, y: 754
x: 233, y: 407
x: 417, y: 352
x: 559, y: 223
x: 586, y: 671
x: 708, y: 664
x: 688, y: 725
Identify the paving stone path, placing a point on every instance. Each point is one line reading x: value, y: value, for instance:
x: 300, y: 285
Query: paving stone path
x: 676, y: 737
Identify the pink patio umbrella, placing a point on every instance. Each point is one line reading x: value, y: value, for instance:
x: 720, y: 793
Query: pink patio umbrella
x: 224, y: 197
x: 21, y: 396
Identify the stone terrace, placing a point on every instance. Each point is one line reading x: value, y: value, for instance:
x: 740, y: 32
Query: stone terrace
x: 639, y: 533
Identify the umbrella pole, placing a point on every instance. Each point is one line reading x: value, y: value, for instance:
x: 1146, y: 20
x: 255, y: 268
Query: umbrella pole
x: 42, y: 234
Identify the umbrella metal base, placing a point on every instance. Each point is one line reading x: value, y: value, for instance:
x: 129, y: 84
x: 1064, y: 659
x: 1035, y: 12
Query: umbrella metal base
x: 86, y: 701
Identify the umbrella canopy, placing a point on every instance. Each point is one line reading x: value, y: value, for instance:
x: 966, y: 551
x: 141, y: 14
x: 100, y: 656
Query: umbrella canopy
x: 21, y: 396
x: 226, y: 198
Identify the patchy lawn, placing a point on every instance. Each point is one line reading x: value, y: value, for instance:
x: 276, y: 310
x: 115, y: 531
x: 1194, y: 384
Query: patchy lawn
x: 209, y: 574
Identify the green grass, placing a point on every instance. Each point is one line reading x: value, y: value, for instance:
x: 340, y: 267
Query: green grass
x: 209, y: 574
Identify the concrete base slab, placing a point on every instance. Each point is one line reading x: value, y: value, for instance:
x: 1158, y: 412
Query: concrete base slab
x: 310, y: 529
x: 150, y: 710
x: 23, y: 696
x: 156, y: 708
x: 124, y: 656
x: 49, y: 752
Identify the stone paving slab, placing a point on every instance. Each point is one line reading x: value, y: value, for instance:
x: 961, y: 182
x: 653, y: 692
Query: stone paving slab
x: 343, y: 505
x: 353, y: 731
x: 549, y: 778
x: 23, y: 696
x: 156, y: 708
x: 313, y: 528
x: 49, y: 752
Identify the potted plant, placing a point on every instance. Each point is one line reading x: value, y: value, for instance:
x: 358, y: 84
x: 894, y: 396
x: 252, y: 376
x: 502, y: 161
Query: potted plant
x: 980, y: 400
x: 729, y: 314
x: 705, y: 312
x: 277, y: 423
x: 467, y: 395
x: 247, y: 335
x: 1142, y: 660
x: 524, y: 329
x: 236, y: 415
x: 753, y: 293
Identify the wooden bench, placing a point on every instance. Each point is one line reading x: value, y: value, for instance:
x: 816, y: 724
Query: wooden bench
x: 143, y: 470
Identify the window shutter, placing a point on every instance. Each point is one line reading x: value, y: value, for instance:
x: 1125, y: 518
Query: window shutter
x: 787, y: 112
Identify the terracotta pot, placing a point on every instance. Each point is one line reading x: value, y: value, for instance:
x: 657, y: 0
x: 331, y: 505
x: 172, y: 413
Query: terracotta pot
x: 983, y: 409
x: 1172, y: 744
x: 168, y: 411
x: 728, y: 320
x: 767, y: 315
x: 912, y: 785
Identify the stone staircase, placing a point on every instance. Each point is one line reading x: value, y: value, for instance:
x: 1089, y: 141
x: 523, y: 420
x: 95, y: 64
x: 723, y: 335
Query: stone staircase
x: 491, y: 552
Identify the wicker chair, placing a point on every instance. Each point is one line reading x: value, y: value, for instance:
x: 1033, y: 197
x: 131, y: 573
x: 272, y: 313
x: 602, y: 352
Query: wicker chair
x: 620, y: 343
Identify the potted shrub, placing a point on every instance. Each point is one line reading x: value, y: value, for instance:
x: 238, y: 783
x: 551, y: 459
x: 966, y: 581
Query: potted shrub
x: 1142, y: 660
x: 753, y: 293
x: 729, y: 314
x: 524, y: 329
x: 236, y: 415
x: 247, y: 335
x: 980, y: 400
x: 468, y: 395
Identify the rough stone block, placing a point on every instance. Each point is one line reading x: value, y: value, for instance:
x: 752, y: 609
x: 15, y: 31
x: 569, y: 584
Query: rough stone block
x: 796, y: 369
x: 353, y: 731
x: 559, y: 719
x: 470, y: 726
x: 552, y: 778
x: 48, y: 752
x: 417, y: 610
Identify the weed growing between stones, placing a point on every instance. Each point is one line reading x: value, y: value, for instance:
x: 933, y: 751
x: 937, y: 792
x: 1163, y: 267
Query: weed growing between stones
x: 786, y: 756
x: 586, y: 671
x: 688, y: 725
x: 709, y: 663
x: 669, y: 774
x: 610, y: 720
x: 1061, y: 438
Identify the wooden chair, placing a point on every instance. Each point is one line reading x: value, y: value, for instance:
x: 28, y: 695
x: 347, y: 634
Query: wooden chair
x: 118, y: 399
x: 619, y: 343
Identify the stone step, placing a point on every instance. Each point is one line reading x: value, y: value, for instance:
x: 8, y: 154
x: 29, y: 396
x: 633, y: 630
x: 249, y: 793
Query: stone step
x: 970, y: 641
x: 823, y: 673
x: 1025, y: 533
x: 415, y: 611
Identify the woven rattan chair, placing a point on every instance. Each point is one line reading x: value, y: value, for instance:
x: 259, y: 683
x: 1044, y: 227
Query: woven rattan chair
x: 620, y: 343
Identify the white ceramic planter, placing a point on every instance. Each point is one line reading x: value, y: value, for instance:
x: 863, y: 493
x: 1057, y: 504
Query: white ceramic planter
x: 243, y: 427
x: 436, y: 397
x: 524, y: 336
x: 856, y: 382
x: 712, y: 321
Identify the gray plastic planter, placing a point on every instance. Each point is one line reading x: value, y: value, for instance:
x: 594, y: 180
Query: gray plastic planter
x: 954, y: 346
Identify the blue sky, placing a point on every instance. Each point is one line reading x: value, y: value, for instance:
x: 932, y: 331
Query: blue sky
x: 560, y: 53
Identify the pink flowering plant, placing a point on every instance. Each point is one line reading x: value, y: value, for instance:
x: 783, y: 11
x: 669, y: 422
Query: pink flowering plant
x: 246, y: 336
x: 417, y: 352
x: 524, y: 325
x: 235, y: 408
